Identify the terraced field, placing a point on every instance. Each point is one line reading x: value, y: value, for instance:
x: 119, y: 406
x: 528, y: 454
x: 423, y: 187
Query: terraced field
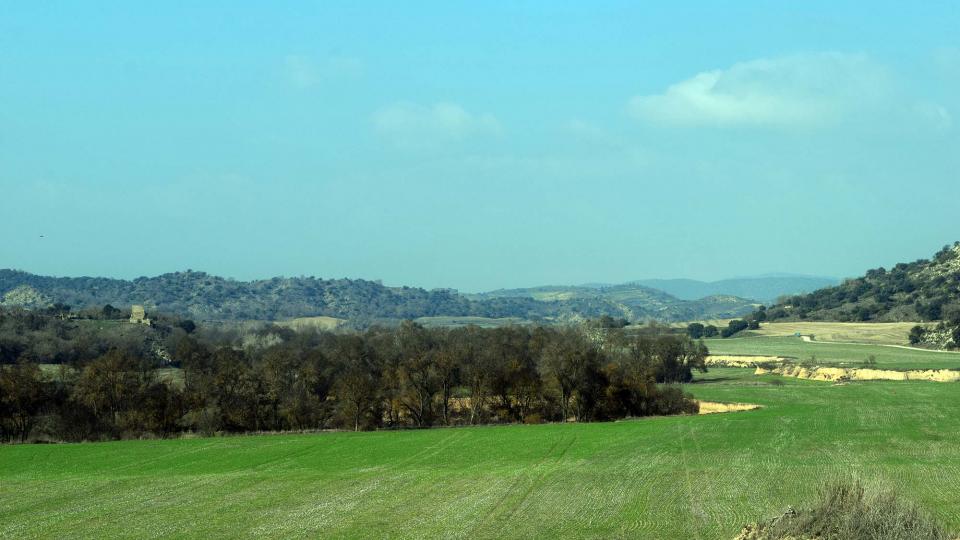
x: 847, y: 354
x: 677, y: 477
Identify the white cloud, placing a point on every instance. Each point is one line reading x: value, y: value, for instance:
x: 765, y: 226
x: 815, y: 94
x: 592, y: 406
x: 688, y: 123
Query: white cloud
x: 305, y: 72
x: 805, y: 90
x: 414, y: 125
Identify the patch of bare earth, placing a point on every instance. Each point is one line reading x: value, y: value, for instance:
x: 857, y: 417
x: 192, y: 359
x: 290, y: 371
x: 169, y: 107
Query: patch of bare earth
x: 713, y: 407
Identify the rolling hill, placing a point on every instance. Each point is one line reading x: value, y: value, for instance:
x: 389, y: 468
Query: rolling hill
x: 634, y: 302
x: 921, y: 290
x: 205, y: 297
x: 924, y: 290
x: 766, y: 289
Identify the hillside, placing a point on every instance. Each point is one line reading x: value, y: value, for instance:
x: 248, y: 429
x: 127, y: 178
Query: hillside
x: 632, y: 302
x: 766, y: 289
x: 921, y: 290
x: 924, y: 290
x: 202, y: 296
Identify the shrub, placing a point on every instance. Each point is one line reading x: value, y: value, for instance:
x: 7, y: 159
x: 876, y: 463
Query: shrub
x: 847, y: 511
x: 695, y: 330
x: 916, y: 334
x: 734, y: 327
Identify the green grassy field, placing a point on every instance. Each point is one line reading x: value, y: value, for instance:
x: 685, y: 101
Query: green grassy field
x: 675, y: 477
x: 836, y: 353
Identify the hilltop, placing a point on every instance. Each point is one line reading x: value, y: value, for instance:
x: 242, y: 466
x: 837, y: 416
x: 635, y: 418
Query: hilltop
x: 632, y: 301
x: 202, y: 296
x: 766, y: 289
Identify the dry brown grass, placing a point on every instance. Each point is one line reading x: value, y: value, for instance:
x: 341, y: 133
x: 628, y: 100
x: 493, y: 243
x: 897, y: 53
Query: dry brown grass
x: 872, y: 333
x: 319, y: 323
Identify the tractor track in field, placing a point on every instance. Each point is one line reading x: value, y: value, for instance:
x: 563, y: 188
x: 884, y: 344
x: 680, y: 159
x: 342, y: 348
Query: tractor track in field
x: 535, y: 480
x: 694, y: 503
x: 809, y: 339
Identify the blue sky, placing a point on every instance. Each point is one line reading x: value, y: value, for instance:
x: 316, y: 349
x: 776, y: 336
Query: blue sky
x: 477, y: 146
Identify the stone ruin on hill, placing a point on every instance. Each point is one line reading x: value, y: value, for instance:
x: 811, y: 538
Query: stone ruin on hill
x: 138, y: 315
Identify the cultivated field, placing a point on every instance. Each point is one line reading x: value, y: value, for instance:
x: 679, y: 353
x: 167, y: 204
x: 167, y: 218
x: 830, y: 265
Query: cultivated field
x: 676, y: 477
x: 872, y: 333
x: 845, y: 354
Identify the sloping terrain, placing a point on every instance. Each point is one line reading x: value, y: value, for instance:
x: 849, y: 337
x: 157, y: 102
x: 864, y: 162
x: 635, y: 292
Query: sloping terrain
x: 924, y: 290
x: 670, y: 477
x: 927, y: 290
x: 632, y: 302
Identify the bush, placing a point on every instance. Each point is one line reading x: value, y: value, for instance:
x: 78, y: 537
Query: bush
x: 734, y: 327
x: 916, y: 335
x: 695, y: 330
x: 847, y: 511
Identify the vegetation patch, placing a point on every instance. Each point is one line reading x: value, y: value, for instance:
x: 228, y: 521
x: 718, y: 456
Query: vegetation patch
x: 225, y: 380
x: 848, y: 511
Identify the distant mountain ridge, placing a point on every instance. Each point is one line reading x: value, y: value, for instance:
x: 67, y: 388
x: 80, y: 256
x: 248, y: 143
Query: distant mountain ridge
x: 634, y: 302
x: 765, y: 289
x: 202, y: 296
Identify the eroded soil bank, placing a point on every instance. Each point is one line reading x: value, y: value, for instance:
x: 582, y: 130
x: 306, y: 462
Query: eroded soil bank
x: 861, y: 374
x: 713, y: 407
x: 741, y: 360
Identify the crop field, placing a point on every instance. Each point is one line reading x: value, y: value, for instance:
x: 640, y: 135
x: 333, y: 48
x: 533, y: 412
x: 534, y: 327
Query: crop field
x: 671, y: 477
x: 871, y: 333
x: 847, y: 354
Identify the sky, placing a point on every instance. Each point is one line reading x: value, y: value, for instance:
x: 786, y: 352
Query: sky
x: 477, y: 145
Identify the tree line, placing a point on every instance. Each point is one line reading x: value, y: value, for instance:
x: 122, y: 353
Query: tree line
x: 409, y: 376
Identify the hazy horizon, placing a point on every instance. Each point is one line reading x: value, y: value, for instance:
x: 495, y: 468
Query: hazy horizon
x: 459, y: 289
x: 477, y: 147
